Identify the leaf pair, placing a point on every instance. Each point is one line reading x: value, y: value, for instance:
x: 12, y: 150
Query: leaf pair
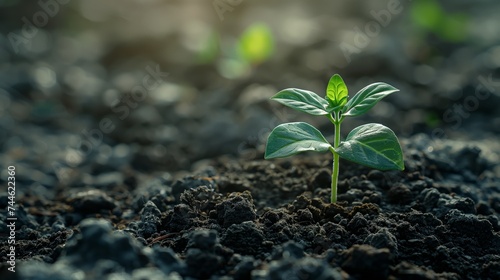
x: 335, y: 99
x: 373, y: 145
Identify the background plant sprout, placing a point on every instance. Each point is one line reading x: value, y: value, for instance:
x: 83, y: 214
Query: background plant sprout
x: 372, y: 145
x: 252, y: 48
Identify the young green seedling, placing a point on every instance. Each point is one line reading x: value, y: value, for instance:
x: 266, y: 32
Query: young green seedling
x: 373, y: 144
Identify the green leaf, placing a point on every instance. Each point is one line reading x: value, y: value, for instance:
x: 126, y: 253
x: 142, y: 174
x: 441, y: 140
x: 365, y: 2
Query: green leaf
x: 336, y: 93
x: 292, y: 138
x: 366, y: 98
x: 302, y: 100
x: 373, y: 145
x: 256, y: 44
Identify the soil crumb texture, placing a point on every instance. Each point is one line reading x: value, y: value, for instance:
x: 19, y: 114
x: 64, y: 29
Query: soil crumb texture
x: 133, y: 138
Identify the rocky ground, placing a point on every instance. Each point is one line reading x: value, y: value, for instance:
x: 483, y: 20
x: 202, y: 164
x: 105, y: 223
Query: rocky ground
x: 240, y: 219
x: 173, y: 185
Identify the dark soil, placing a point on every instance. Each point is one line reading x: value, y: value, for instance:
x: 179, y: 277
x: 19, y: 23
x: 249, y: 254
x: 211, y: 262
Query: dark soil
x: 258, y: 219
x: 179, y: 188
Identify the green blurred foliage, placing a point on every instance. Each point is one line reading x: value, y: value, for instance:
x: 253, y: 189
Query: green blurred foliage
x: 256, y: 44
x: 429, y: 16
x: 253, y: 47
x: 210, y: 49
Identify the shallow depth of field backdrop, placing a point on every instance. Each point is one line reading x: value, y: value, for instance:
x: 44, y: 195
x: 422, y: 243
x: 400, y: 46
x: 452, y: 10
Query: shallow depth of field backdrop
x: 115, y: 94
x: 69, y: 66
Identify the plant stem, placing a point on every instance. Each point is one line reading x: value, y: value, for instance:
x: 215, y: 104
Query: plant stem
x: 335, y: 171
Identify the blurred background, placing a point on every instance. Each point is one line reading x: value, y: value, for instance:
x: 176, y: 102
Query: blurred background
x: 92, y: 87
